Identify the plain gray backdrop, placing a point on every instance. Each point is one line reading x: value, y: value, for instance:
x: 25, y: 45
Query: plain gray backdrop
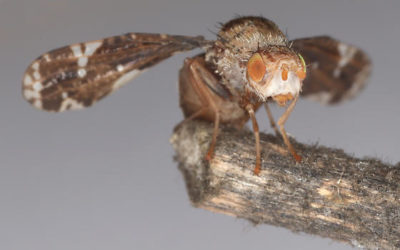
x: 104, y: 177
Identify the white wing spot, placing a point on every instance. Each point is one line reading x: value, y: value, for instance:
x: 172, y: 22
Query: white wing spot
x: 64, y: 95
x: 346, y: 54
x: 76, y: 49
x: 71, y: 104
x: 322, y: 97
x: 27, y: 80
x: 82, y: 61
x: 37, y: 104
x: 35, y: 66
x: 46, y: 57
x: 81, y: 73
x: 120, y: 68
x: 36, y: 75
x: 336, y: 72
x: 360, y: 81
x: 125, y: 78
x: 91, y: 47
x: 37, y: 86
x: 29, y: 94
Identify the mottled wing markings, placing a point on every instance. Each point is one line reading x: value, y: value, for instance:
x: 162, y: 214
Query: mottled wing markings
x: 76, y: 76
x: 336, y: 71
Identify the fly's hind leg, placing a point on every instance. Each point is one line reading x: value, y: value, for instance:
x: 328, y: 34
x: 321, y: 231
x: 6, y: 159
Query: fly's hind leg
x: 191, y: 117
x: 205, y: 86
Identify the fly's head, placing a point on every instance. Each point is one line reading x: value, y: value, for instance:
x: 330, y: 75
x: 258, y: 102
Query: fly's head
x: 276, y: 72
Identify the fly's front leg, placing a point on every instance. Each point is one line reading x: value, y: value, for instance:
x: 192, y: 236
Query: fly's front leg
x: 250, y: 110
x: 281, y: 122
x: 271, y: 119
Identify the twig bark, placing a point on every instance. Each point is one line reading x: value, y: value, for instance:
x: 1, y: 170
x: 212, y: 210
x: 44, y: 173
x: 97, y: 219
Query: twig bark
x: 330, y: 193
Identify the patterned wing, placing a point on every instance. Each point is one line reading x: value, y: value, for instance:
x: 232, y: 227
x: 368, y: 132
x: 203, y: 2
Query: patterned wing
x: 78, y: 75
x: 336, y: 71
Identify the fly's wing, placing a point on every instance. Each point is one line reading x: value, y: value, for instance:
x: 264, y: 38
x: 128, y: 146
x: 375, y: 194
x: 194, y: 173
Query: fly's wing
x: 78, y: 75
x: 336, y: 71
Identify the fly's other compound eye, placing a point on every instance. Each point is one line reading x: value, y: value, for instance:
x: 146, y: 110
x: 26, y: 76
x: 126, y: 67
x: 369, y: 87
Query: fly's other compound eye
x: 256, y: 68
x: 302, y: 72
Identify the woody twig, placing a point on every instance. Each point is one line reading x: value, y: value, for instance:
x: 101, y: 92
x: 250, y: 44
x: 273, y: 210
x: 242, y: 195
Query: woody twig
x: 330, y: 193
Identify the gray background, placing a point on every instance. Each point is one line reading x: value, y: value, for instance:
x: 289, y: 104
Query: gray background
x: 104, y: 177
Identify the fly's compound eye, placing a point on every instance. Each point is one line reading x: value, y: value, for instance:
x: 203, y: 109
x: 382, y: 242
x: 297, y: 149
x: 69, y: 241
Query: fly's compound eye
x: 256, y: 68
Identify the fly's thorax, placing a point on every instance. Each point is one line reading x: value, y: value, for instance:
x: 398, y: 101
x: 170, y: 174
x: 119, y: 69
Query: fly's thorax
x: 230, y: 65
x: 250, y: 33
x: 276, y: 72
